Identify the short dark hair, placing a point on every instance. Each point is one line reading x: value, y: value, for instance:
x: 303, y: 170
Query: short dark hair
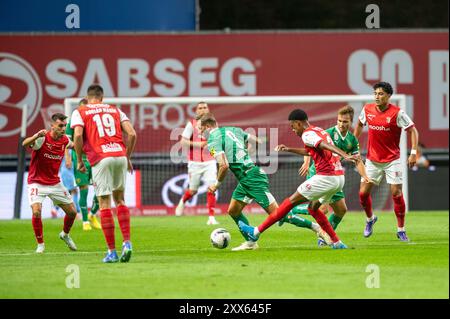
x: 298, y: 115
x: 95, y: 90
x: 347, y: 110
x: 58, y: 116
x: 83, y: 102
x: 208, y: 119
x: 385, y: 86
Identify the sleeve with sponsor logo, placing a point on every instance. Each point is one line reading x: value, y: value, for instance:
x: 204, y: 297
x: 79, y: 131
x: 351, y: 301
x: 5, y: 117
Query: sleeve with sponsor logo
x: 362, y: 116
x: 38, y: 143
x: 123, y: 116
x: 403, y: 120
x: 311, y: 139
x: 215, y: 144
x: 76, y: 119
x: 188, y: 131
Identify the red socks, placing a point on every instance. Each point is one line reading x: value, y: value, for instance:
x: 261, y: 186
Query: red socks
x: 107, y: 222
x: 187, y: 195
x: 399, y: 209
x: 37, y: 227
x: 322, y: 220
x: 282, y: 210
x: 366, y: 202
x: 123, y: 215
x: 68, y: 222
x: 211, y: 203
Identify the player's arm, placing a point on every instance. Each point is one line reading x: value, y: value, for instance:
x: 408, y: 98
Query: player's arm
x: 303, y: 170
x: 186, y: 137
x: 358, y: 129
x: 298, y: 151
x: 68, y: 157
x: 255, y: 139
x: 222, y: 173
x: 361, y: 168
x: 131, y: 141
x: 412, y: 159
x: 326, y: 146
x: 188, y: 142
x: 78, y: 146
x: 29, y: 141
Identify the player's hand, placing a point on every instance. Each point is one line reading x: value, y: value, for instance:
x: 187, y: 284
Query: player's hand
x: 130, y: 166
x: 281, y: 148
x: 367, y: 180
x: 203, y: 143
x: 69, y: 164
x: 412, y: 159
x: 351, y: 158
x: 81, y: 167
x: 303, y: 170
x: 212, y: 189
x: 41, y: 133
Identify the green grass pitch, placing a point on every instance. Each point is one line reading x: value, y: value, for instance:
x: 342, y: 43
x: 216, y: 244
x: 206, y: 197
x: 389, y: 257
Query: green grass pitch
x: 173, y: 258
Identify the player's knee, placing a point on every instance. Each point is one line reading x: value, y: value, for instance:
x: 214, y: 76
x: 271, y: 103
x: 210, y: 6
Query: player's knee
x: 37, y: 213
x: 314, y: 205
x: 193, y: 191
x: 396, y: 192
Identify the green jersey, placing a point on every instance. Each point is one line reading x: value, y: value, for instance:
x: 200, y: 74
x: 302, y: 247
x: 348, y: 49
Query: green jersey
x: 348, y: 143
x: 231, y: 141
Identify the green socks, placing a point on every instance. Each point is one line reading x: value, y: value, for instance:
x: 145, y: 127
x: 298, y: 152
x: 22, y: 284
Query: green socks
x: 334, y: 220
x: 95, y: 205
x: 244, y: 219
x: 296, y: 220
x: 300, y: 209
x: 83, y: 204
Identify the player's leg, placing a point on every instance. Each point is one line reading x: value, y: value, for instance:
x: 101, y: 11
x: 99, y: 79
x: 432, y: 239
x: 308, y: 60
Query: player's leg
x: 394, y: 178
x: 339, y: 209
x: 235, y: 211
x: 36, y: 221
x: 194, y: 176
x: 375, y: 173
x: 95, y: 206
x: 123, y: 213
x: 103, y: 181
x: 209, y: 176
x: 36, y: 195
x: 61, y: 197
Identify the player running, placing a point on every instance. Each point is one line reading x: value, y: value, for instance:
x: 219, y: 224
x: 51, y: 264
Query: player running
x: 347, y: 142
x: 317, y: 190
x: 200, y: 164
x: 43, y: 180
x: 228, y: 145
x: 385, y: 121
x: 83, y: 180
x: 98, y: 132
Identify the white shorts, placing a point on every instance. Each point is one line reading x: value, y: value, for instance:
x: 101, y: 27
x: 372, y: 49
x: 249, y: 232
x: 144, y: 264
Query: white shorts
x: 321, y: 187
x: 57, y: 193
x: 393, y: 170
x: 198, y: 170
x: 110, y: 174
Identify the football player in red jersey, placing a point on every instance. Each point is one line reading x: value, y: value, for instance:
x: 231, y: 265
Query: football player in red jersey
x: 98, y: 131
x: 319, y: 189
x: 385, y: 122
x: 43, y: 179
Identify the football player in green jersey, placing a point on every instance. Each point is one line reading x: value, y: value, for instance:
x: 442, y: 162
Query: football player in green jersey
x: 229, y: 146
x: 344, y: 139
x: 83, y: 180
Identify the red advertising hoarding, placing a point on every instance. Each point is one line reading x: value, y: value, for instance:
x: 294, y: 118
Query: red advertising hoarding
x: 42, y: 70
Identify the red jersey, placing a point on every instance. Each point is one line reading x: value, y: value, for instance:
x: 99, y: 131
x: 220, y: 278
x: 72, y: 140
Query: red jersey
x: 102, y: 134
x: 46, y: 160
x: 385, y: 128
x: 192, y: 133
x: 326, y: 162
